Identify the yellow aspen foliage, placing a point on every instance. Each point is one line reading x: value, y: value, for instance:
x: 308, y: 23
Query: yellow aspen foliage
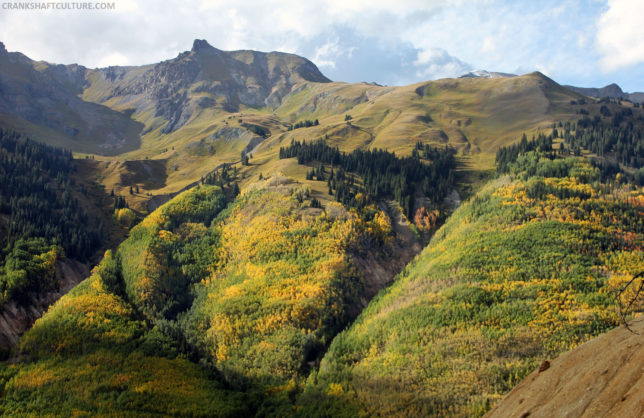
x: 125, y: 216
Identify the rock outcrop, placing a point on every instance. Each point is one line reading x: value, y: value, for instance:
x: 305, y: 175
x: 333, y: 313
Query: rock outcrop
x: 204, y: 77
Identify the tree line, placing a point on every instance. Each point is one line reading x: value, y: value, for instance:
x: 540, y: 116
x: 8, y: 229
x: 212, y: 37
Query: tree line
x: 225, y: 178
x: 363, y: 176
x: 37, y: 195
x: 44, y: 220
x: 505, y: 156
x: 621, y: 137
x: 304, y: 124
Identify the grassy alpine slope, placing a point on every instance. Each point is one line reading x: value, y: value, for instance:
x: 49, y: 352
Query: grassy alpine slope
x: 522, y: 272
x: 474, y: 116
x: 205, y: 107
x: 201, y: 295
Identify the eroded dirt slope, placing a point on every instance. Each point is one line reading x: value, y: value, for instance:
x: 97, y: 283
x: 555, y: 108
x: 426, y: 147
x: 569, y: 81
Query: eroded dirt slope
x: 601, y: 378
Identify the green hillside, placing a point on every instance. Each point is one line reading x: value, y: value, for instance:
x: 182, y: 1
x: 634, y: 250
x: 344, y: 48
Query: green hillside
x: 473, y: 116
x: 522, y: 272
x: 187, y: 298
x: 48, y: 212
x: 96, y: 355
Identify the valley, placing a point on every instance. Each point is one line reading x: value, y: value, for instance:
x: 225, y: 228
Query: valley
x: 264, y: 241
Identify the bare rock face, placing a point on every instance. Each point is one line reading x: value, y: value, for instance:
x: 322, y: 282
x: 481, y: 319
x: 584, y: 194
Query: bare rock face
x: 15, y: 319
x: 207, y: 77
x: 76, y: 105
x: 47, y: 96
x: 601, y: 378
x: 200, y: 45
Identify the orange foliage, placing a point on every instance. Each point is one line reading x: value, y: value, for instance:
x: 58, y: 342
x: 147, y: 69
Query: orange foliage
x: 426, y: 220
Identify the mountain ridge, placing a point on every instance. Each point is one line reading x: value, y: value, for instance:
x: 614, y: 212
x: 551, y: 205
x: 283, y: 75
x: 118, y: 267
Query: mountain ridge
x: 42, y: 100
x: 65, y: 100
x: 203, y: 77
x: 205, y: 107
x: 612, y: 91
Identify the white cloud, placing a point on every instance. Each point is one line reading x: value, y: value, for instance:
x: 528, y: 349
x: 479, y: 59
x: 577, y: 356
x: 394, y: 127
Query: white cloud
x: 145, y: 31
x: 620, y: 34
x: 113, y: 59
x: 488, y: 44
x: 543, y: 69
x: 436, y: 63
x: 325, y: 55
x: 330, y: 52
x: 386, y: 35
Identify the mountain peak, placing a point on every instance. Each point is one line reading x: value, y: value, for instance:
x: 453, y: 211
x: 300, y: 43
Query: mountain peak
x: 541, y: 75
x: 200, y: 45
x: 3, y: 50
x: 614, y: 89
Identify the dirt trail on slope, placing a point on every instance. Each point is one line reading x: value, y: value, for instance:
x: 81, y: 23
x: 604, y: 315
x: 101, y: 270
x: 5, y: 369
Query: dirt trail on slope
x: 601, y: 378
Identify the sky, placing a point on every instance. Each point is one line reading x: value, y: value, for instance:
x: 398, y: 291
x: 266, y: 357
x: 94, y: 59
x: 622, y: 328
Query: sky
x: 587, y: 43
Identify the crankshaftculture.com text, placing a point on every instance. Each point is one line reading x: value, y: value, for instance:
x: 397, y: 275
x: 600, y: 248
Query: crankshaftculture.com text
x: 57, y: 6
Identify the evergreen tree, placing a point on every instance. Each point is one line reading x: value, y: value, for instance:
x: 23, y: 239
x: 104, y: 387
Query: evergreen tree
x: 37, y: 192
x: 383, y: 174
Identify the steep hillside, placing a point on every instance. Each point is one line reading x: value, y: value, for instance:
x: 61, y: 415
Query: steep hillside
x: 473, y: 115
x: 54, y: 222
x: 255, y: 310
x: 95, y: 356
x: 17, y: 315
x: 600, y: 378
x: 523, y: 271
x: 41, y: 100
x: 280, y: 207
